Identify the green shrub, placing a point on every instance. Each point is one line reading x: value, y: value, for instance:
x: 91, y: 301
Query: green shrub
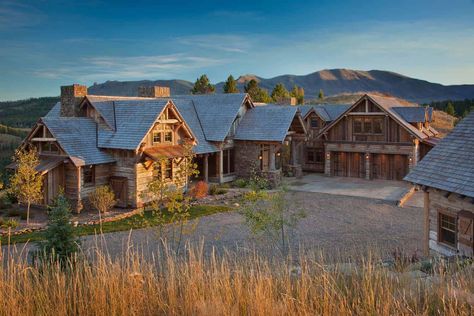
x: 240, y: 183
x: 216, y: 190
x: 9, y: 223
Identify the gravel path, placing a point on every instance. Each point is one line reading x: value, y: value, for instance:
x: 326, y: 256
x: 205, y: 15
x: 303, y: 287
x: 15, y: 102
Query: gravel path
x: 336, y: 225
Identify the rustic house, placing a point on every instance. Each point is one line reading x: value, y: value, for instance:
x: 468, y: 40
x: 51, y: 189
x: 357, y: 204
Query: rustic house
x: 377, y: 137
x: 446, y: 175
x: 87, y: 140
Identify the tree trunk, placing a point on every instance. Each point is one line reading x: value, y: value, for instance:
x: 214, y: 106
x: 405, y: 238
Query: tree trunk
x: 28, y: 214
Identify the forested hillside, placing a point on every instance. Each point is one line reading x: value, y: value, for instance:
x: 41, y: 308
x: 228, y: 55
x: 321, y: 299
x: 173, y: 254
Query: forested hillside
x: 25, y: 113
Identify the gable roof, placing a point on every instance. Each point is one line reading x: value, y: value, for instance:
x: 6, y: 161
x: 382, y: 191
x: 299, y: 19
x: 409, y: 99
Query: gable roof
x: 266, y: 123
x: 388, y: 104
x: 77, y: 135
x: 415, y: 114
x: 187, y: 110
x: 327, y: 112
x: 449, y: 165
x: 216, y: 112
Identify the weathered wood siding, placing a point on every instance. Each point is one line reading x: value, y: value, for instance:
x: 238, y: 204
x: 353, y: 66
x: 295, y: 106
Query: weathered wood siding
x: 313, y: 144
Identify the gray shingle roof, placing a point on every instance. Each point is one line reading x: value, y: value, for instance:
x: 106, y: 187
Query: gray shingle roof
x: 133, y: 120
x: 327, y: 112
x: 187, y: 110
x: 77, y: 136
x: 216, y: 112
x: 266, y: 123
x: 449, y: 165
x: 414, y: 114
x: 55, y: 111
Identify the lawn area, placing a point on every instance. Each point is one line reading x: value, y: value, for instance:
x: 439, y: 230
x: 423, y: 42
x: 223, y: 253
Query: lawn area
x: 146, y: 219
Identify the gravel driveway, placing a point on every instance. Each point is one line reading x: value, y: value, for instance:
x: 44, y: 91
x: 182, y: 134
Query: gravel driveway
x: 336, y: 225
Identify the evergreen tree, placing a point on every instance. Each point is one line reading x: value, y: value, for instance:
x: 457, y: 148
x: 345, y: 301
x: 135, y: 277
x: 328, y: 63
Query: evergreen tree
x: 298, y: 93
x: 203, y: 86
x: 321, y: 94
x: 280, y: 93
x: 230, y: 85
x: 450, y: 109
x: 256, y: 93
x: 60, y: 242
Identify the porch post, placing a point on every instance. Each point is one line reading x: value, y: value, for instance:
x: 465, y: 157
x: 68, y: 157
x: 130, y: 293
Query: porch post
x: 221, y: 166
x: 206, y: 168
x: 426, y: 241
x: 271, y: 166
x: 327, y: 164
x: 79, y: 186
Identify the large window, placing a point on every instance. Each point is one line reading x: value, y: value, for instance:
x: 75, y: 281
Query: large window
x: 49, y: 148
x: 447, y: 229
x: 367, y: 125
x: 88, y: 174
x: 164, y: 170
x: 314, y: 155
x: 164, y: 136
x: 228, y: 161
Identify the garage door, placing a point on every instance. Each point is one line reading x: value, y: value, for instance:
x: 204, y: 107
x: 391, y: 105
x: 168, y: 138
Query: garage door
x: 347, y: 164
x: 389, y: 167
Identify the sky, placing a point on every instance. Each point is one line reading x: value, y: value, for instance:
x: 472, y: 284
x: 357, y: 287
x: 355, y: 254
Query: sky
x: 46, y: 44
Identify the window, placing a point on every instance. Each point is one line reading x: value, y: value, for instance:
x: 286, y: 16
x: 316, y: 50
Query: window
x: 378, y: 126
x: 49, y: 148
x: 367, y: 126
x: 88, y: 174
x: 168, y: 137
x: 314, y: 122
x: 156, y: 137
x: 168, y: 169
x: 228, y: 161
x: 358, y: 126
x: 447, y: 229
x: 314, y: 155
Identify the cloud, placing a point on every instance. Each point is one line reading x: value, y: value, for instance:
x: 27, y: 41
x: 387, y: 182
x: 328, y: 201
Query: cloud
x: 128, y: 67
x: 222, y: 42
x: 16, y: 15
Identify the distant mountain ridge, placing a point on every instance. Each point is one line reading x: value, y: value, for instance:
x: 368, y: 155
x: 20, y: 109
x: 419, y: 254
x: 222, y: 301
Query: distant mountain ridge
x: 331, y: 81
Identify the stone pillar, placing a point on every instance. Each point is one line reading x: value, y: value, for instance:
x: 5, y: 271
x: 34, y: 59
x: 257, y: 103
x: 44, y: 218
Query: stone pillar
x: 221, y: 166
x: 206, y: 167
x: 426, y: 222
x: 79, y: 186
x: 271, y: 165
x: 368, y: 164
x: 327, y: 164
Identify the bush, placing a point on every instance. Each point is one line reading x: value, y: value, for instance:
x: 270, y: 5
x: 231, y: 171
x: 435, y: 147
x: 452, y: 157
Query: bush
x: 240, y: 183
x: 216, y: 190
x: 102, y: 198
x: 8, y: 223
x: 200, y: 190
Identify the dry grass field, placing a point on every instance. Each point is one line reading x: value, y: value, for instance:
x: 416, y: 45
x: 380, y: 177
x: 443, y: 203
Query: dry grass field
x: 195, y: 284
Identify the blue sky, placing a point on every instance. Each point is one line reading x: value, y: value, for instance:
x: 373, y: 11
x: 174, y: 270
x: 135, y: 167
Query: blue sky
x: 45, y: 44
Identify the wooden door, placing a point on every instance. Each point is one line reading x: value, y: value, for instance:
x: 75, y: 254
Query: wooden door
x: 120, y: 188
x: 265, y: 158
x: 53, y: 182
x: 466, y: 232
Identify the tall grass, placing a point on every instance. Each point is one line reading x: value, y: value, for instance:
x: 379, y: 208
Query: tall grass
x: 229, y: 284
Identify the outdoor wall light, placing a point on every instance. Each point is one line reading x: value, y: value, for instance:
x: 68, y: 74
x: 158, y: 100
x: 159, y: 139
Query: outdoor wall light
x: 278, y: 154
x: 367, y: 156
x: 260, y: 157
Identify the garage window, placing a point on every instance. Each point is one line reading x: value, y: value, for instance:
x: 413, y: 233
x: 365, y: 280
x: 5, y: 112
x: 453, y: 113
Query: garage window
x: 447, y: 229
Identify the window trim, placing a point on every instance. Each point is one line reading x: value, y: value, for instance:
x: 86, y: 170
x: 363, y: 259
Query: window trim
x: 440, y: 228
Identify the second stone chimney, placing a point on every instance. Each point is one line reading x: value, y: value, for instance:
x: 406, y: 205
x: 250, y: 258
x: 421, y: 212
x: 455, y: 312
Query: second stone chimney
x: 71, y: 97
x: 154, y: 92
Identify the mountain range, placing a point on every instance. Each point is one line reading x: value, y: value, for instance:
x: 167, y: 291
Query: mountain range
x: 331, y: 81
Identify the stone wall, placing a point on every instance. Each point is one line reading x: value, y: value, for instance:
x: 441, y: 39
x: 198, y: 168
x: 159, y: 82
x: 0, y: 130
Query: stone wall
x: 71, y: 97
x: 246, y: 158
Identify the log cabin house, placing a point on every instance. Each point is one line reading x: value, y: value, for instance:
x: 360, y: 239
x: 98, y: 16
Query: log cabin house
x: 377, y: 137
x: 446, y: 175
x: 87, y: 140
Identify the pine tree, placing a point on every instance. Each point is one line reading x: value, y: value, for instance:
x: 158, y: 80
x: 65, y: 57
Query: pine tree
x: 203, y: 86
x: 280, y: 93
x: 450, y: 109
x: 60, y: 242
x: 230, y: 85
x: 256, y: 93
x: 321, y: 94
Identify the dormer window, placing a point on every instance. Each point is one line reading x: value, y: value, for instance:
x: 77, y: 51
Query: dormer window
x: 156, y: 137
x: 168, y: 137
x: 162, y: 137
x: 314, y: 122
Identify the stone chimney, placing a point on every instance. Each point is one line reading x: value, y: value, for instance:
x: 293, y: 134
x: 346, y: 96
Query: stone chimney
x: 71, y: 97
x: 154, y: 92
